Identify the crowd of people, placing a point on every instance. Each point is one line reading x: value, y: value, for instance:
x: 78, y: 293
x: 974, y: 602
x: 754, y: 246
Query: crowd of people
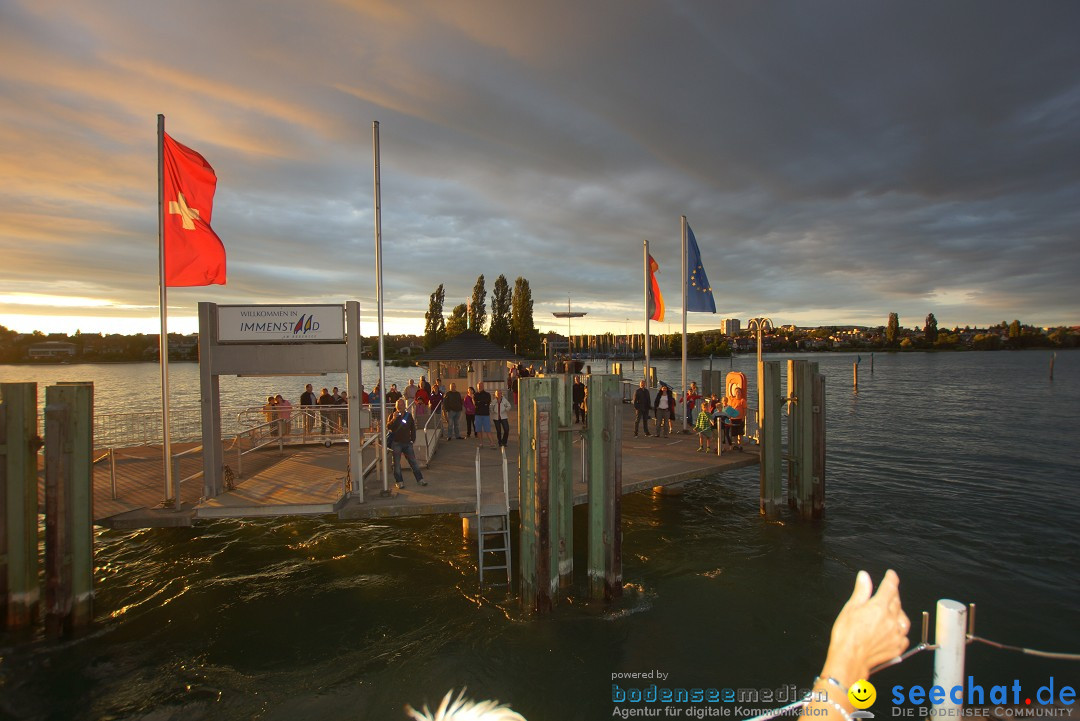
x: 479, y: 414
x: 723, y: 418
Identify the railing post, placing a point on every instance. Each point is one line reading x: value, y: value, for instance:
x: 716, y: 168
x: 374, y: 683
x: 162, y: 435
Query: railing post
x: 19, y: 586
x: 69, y: 514
x: 112, y: 472
x: 950, y: 637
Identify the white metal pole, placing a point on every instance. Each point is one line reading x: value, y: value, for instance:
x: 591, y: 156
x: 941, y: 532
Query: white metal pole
x: 379, y: 297
x: 950, y: 637
x: 647, y: 379
x: 684, y: 388
x: 163, y: 311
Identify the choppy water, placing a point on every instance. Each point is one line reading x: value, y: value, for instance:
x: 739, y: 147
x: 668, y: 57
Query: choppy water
x: 958, y: 470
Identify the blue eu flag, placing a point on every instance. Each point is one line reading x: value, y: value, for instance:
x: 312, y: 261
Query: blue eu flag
x: 699, y: 295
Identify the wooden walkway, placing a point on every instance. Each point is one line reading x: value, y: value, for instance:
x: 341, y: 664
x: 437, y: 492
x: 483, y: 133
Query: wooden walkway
x: 311, y: 480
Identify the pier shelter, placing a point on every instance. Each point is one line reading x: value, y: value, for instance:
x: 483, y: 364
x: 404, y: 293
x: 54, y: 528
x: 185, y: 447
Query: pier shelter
x: 467, y: 359
x: 269, y: 340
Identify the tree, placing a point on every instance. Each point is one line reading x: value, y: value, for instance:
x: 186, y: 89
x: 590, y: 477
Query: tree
x: 500, y: 332
x: 892, y: 330
x: 930, y: 331
x: 458, y: 322
x: 478, y: 306
x: 523, y: 331
x: 434, y: 323
x: 1014, y: 331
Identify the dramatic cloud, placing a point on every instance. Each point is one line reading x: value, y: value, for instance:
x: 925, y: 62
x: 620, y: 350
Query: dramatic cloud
x: 836, y: 160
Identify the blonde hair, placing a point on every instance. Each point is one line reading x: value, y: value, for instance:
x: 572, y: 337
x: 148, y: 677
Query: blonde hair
x: 463, y: 709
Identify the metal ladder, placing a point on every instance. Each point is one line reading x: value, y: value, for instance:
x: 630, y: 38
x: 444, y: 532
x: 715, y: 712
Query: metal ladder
x: 493, y: 543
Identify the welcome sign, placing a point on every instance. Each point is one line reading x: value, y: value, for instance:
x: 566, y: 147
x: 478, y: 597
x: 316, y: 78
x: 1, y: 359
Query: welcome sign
x: 281, y: 323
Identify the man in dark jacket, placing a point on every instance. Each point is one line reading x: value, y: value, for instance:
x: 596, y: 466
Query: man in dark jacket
x: 325, y: 414
x: 453, y: 404
x: 307, y: 403
x: 642, y: 404
x: 401, y: 429
x: 579, y: 400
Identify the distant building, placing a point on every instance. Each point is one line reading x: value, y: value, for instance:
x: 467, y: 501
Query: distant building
x: 730, y: 326
x: 51, y: 349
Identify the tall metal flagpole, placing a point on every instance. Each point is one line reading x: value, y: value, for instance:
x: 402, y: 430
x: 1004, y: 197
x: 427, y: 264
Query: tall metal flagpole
x: 684, y: 390
x: 163, y: 312
x: 647, y: 314
x: 379, y: 300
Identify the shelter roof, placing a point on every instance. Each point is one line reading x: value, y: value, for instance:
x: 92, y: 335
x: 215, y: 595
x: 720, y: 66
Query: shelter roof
x: 467, y: 346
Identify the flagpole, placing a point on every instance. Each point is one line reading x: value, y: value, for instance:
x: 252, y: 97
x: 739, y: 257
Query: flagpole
x: 379, y: 298
x: 163, y: 313
x: 684, y: 261
x: 646, y: 266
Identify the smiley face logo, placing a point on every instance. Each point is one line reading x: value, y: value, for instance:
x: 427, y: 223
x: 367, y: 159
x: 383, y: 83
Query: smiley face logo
x: 862, y: 694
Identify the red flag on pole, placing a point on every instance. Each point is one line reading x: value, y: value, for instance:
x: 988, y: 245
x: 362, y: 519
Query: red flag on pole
x: 194, y: 254
x: 656, y: 301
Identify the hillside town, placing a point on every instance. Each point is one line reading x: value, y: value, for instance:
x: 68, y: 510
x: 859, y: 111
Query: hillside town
x: 730, y: 337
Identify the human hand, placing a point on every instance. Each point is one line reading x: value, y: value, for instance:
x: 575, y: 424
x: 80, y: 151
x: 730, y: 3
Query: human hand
x: 869, y: 630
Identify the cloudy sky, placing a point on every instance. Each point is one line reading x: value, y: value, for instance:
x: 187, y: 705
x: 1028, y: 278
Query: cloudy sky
x: 837, y: 160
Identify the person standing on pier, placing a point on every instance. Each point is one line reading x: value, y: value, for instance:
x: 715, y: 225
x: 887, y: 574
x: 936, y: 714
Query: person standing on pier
x: 642, y: 406
x: 325, y: 414
x: 284, y: 413
x: 410, y: 390
x: 664, y: 405
x: 692, y: 397
x: 453, y: 404
x: 307, y: 407
x: 500, y: 414
x: 270, y: 414
x: 469, y: 404
x: 392, y: 395
x: 578, y: 396
x: 402, y: 431
x: 482, y: 399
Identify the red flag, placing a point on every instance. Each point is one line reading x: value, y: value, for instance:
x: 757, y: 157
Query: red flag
x: 194, y: 255
x: 656, y: 301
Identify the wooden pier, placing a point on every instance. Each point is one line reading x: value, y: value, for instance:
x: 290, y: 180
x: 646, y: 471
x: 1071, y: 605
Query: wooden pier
x: 311, y: 479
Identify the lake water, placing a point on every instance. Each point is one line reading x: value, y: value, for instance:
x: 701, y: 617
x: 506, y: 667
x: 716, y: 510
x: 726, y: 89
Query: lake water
x: 959, y: 470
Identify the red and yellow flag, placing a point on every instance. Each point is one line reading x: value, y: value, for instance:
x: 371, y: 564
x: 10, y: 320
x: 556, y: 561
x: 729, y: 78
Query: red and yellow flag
x: 194, y: 254
x: 656, y: 300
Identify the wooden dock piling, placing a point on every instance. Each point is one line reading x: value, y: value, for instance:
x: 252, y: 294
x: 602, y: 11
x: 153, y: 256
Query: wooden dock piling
x: 772, y: 491
x: 20, y: 591
x: 801, y: 437
x: 604, y: 440
x: 562, y: 471
x: 69, y: 517
x: 545, y: 491
x: 817, y: 413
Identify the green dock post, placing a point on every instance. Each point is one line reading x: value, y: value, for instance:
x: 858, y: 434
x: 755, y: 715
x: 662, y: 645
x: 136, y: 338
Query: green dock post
x: 800, y: 435
x: 772, y: 492
x: 604, y: 439
x: 817, y: 504
x: 69, y: 513
x: 20, y: 591
x: 544, y: 492
x: 562, y: 477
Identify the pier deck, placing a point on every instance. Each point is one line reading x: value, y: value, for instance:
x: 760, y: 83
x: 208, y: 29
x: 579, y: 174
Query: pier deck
x: 311, y: 480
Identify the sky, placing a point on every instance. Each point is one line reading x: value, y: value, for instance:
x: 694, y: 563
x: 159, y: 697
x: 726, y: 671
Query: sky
x: 837, y: 161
